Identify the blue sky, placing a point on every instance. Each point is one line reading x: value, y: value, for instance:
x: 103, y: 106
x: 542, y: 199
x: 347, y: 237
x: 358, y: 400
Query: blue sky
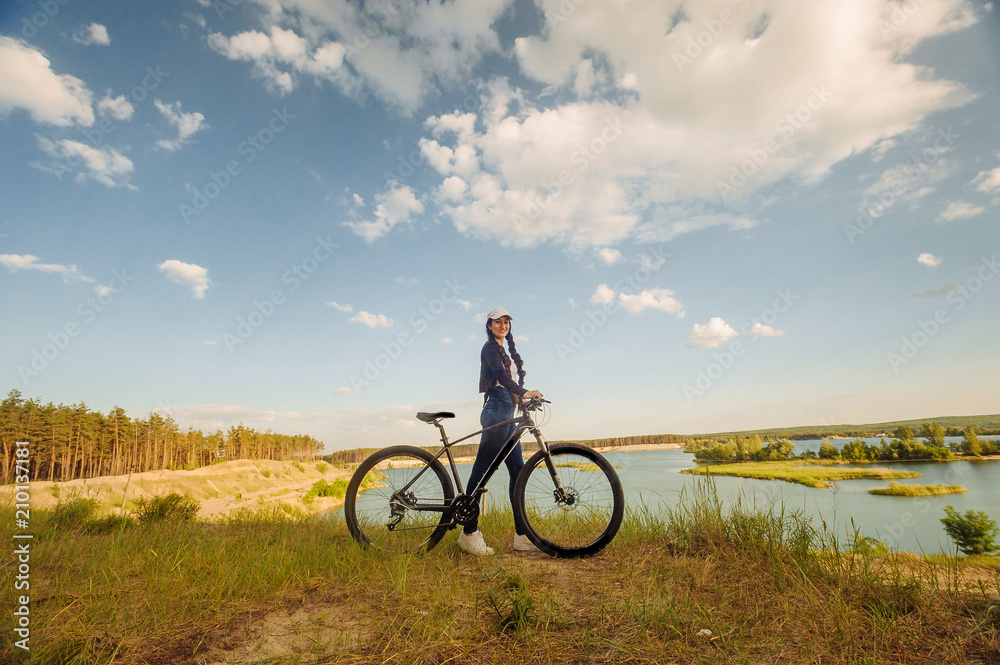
x: 702, y: 216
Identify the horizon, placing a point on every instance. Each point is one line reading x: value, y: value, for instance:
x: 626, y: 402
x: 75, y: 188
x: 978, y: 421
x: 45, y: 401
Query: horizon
x: 295, y: 215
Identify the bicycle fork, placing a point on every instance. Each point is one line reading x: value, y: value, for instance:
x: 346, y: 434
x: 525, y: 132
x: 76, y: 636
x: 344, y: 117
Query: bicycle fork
x: 559, y: 493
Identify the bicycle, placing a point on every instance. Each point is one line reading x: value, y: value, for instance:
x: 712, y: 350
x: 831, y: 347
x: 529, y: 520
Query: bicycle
x: 401, y: 499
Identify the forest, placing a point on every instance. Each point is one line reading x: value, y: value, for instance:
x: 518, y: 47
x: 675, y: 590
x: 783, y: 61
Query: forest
x: 70, y: 442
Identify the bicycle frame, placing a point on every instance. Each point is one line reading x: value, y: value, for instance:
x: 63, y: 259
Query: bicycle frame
x: 522, y: 423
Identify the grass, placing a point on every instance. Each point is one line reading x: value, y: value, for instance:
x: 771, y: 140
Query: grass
x: 895, y: 489
x: 810, y: 474
x: 261, y: 587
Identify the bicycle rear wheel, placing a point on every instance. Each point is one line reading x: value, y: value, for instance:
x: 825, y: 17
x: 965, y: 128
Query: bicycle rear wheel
x: 582, y: 520
x: 375, y: 507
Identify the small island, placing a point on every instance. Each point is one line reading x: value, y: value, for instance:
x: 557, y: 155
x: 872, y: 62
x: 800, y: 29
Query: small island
x: 895, y: 489
x: 810, y: 474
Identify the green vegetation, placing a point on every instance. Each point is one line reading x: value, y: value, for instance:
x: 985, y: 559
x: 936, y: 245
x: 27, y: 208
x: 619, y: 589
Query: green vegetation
x: 895, y: 489
x: 808, y: 474
x: 336, y: 489
x: 696, y: 583
x: 973, y: 532
x: 738, y: 448
x: 171, y: 506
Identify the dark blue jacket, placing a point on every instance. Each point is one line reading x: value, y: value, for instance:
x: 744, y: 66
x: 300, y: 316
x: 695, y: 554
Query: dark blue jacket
x: 492, y: 369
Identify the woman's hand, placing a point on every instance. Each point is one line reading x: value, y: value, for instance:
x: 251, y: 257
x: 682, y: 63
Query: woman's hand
x: 531, y: 394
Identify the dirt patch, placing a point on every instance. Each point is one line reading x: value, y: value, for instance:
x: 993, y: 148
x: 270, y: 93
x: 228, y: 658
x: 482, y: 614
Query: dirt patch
x: 303, y: 634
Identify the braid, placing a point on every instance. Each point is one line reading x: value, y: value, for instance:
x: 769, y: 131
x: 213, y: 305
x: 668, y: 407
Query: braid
x: 517, y: 359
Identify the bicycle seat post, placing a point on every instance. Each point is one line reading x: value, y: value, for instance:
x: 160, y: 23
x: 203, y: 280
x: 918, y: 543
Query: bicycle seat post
x: 444, y: 437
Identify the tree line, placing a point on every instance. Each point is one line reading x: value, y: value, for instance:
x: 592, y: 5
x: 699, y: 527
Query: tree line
x: 905, y: 446
x: 70, y: 442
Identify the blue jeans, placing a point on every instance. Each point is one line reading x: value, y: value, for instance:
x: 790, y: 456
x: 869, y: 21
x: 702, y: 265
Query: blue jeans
x: 497, y: 409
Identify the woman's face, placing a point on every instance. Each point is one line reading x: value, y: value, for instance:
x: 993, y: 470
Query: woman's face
x: 500, y: 327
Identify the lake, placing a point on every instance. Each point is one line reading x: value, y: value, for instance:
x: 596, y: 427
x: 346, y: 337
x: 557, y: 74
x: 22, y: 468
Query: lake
x: 911, y: 524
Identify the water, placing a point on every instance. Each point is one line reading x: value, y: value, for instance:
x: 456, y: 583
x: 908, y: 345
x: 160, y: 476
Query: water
x: 653, y: 479
x: 911, y: 524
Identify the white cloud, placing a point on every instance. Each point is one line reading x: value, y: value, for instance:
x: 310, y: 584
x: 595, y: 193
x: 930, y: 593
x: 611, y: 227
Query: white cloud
x: 761, y: 330
x: 446, y: 340
x: 115, y: 107
x: 372, y: 320
x: 343, y: 390
x: 187, y: 124
x: 95, y: 33
x: 464, y: 304
x: 394, y: 206
x: 521, y: 338
x: 187, y: 274
x: 714, y: 333
x: 399, y: 56
x: 791, y: 102
x: 662, y: 299
x: 602, y: 295
x: 27, y: 82
x: 104, y: 164
x: 342, y: 308
x: 929, y: 259
x: 609, y: 255
x: 988, y: 181
x: 16, y: 262
x: 959, y: 210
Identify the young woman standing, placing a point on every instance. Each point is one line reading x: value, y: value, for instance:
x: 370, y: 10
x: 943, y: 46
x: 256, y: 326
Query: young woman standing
x: 496, y: 371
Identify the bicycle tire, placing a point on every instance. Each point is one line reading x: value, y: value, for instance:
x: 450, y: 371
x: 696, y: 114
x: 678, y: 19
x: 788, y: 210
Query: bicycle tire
x: 368, y: 508
x: 586, y: 523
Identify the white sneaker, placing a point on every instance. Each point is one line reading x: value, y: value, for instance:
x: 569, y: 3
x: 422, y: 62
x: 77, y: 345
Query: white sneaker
x: 473, y: 543
x: 522, y: 544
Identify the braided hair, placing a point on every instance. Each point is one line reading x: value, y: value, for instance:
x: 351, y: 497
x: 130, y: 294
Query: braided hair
x: 513, y: 354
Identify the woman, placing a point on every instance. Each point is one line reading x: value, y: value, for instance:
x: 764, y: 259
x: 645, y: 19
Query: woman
x: 496, y: 381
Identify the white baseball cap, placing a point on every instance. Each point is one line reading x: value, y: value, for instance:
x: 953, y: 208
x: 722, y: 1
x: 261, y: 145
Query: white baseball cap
x: 497, y: 312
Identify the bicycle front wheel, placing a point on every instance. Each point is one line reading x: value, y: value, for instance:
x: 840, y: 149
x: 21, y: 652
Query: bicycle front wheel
x: 581, y: 519
x: 382, y: 495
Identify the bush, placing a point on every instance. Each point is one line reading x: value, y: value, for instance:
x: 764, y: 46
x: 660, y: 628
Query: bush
x: 299, y: 467
x: 972, y: 532
x: 74, y: 513
x: 336, y: 489
x: 165, y: 507
x: 110, y: 524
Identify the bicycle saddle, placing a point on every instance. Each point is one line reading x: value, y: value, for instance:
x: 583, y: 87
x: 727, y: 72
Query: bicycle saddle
x: 431, y: 417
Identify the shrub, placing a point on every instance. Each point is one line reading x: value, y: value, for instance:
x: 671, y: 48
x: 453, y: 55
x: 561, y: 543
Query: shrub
x: 74, y: 513
x: 299, y: 467
x: 322, y: 467
x: 164, y: 507
x: 336, y: 489
x: 110, y: 524
x: 972, y: 532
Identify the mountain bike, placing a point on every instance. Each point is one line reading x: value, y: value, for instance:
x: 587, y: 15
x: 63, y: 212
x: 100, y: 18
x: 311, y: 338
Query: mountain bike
x: 401, y: 499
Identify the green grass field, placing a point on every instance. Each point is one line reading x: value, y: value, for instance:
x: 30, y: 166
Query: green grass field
x: 695, y: 584
x: 811, y: 474
x: 895, y: 489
